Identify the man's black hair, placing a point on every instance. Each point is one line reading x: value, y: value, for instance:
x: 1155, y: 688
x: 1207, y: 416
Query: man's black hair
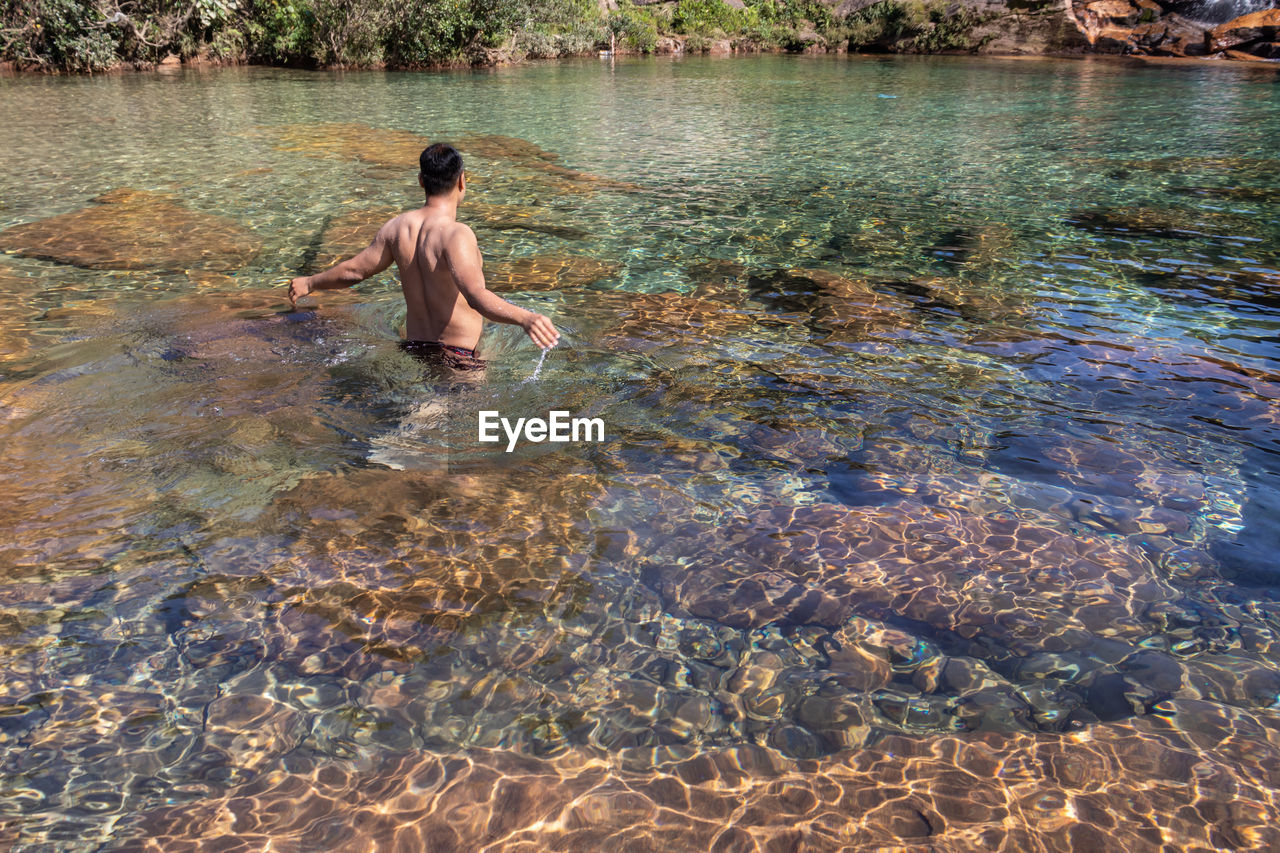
x: 440, y: 164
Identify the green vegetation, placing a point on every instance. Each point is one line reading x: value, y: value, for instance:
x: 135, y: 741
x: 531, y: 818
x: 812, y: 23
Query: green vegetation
x: 917, y: 26
x: 93, y: 35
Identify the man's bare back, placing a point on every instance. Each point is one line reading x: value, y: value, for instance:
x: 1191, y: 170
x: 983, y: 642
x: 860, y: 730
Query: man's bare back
x: 440, y: 266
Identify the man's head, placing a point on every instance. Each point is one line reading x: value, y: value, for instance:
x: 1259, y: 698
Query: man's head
x: 440, y: 169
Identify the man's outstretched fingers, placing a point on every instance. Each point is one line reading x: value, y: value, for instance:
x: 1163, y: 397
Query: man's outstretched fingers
x: 298, y: 288
x: 545, y: 334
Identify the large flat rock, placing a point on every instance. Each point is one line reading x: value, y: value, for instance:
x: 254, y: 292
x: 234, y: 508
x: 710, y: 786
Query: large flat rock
x: 546, y: 272
x: 135, y: 230
x: 1247, y: 31
x: 1139, y: 786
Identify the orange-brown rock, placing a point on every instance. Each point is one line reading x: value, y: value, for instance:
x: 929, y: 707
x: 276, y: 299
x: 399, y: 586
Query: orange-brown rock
x: 1266, y: 52
x: 1169, y: 36
x: 509, y: 217
x: 530, y: 156
x: 497, y: 147
x: 1247, y: 30
x: 346, y: 234
x: 849, y: 306
x: 648, y: 320
x: 395, y: 152
x: 546, y: 272
x: 402, y: 607
x: 1140, y: 27
x: 15, y: 319
x: 1106, y: 22
x: 390, y: 149
x: 1143, y: 786
x: 135, y: 230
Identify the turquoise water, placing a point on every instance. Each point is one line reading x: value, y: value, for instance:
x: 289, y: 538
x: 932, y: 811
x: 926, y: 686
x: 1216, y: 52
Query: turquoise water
x: 938, y: 488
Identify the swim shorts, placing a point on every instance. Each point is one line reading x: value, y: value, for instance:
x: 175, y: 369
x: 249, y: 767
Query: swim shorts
x: 435, y: 353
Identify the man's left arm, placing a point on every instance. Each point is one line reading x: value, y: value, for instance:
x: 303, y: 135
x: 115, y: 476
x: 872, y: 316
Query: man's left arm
x: 375, y: 258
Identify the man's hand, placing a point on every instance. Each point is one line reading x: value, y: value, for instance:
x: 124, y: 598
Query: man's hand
x: 298, y: 288
x: 540, y: 331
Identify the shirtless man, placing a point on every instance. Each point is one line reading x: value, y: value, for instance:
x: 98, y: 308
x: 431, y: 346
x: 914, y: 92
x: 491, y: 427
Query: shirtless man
x: 440, y: 271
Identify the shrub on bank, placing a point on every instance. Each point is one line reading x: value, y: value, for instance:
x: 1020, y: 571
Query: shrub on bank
x: 918, y: 26
x: 559, y: 28
x: 424, y: 33
x: 639, y: 27
x: 92, y: 35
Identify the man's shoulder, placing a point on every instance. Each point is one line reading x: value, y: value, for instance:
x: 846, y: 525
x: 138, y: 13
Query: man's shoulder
x: 415, y: 222
x: 455, y: 230
x: 392, y: 227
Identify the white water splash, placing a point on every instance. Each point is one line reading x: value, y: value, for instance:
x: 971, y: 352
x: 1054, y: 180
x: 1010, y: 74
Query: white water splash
x: 1219, y: 11
x: 538, y: 369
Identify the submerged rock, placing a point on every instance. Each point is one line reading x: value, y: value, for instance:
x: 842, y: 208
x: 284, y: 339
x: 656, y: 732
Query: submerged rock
x: 832, y: 305
x: 978, y: 301
x: 397, y: 152
x: 1206, y: 771
x: 15, y: 331
x: 546, y: 272
x: 511, y: 217
x: 135, y: 230
x: 564, y: 232
x: 1165, y: 222
x: 848, y: 305
x: 1259, y: 168
x: 718, y: 273
x: 530, y: 156
x: 411, y: 583
x: 346, y: 235
x: 382, y: 147
x: 1023, y: 586
x: 645, y: 320
x: 498, y: 147
x: 976, y: 246
x: 1266, y: 195
x: 251, y: 730
x: 828, y: 304
x: 486, y: 212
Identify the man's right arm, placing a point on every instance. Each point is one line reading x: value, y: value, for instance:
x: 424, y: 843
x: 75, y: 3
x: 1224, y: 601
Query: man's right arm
x: 373, y: 260
x: 463, y: 256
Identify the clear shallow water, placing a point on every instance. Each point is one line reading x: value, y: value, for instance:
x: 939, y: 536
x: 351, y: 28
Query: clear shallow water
x: 938, y: 503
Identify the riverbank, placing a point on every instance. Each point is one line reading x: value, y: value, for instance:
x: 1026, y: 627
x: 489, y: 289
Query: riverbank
x: 75, y: 36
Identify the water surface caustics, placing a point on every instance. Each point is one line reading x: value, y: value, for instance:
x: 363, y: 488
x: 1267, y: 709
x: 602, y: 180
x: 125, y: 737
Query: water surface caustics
x: 936, y: 508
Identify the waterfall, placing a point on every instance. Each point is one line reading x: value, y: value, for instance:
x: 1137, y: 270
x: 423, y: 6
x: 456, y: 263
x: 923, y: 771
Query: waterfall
x: 1218, y: 11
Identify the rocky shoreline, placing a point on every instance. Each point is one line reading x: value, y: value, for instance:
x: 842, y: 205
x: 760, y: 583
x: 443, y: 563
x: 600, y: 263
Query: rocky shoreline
x: 1144, y: 27
x: 1240, y: 30
x: 1075, y: 27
